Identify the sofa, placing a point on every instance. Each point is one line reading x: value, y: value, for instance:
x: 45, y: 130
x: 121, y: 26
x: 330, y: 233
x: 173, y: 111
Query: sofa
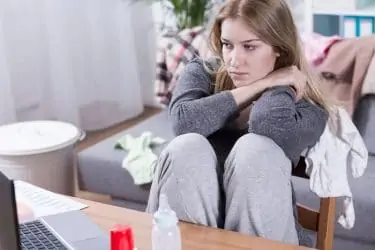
x: 100, y: 171
x: 100, y: 166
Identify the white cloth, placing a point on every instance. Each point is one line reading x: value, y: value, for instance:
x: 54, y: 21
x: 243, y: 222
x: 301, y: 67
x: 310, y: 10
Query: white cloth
x: 339, y: 149
x: 140, y: 160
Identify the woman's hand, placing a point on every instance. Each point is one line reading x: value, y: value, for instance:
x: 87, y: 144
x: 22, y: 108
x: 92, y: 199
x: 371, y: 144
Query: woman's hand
x: 288, y: 76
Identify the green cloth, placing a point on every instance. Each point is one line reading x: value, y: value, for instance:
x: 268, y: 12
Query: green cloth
x: 140, y: 160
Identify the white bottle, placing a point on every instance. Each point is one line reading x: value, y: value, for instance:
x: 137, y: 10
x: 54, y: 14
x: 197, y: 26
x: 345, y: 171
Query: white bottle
x: 165, y: 231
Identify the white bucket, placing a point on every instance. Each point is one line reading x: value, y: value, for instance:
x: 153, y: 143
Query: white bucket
x: 41, y: 153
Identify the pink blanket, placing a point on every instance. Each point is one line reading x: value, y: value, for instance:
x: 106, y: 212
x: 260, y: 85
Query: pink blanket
x: 316, y: 47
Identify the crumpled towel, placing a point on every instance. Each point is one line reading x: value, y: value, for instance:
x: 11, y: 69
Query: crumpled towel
x: 339, y: 149
x: 140, y: 160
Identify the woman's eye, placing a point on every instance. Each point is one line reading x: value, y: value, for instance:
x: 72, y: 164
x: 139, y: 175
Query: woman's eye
x: 227, y: 45
x: 249, y: 47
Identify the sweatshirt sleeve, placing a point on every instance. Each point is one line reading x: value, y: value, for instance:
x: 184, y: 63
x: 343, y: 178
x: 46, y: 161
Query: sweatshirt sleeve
x: 292, y: 125
x: 193, y: 108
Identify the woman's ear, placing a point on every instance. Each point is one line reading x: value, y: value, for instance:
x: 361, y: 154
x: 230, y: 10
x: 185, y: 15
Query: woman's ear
x: 276, y: 51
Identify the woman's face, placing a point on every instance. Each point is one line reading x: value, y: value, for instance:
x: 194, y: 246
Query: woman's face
x: 246, y: 57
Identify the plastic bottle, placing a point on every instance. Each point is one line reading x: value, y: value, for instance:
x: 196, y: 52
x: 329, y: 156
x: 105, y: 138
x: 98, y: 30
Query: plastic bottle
x: 166, y: 233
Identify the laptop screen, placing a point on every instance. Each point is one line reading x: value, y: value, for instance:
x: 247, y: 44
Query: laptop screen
x: 9, y: 238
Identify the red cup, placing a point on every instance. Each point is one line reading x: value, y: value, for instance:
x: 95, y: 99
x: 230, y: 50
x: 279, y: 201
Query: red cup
x: 122, y: 238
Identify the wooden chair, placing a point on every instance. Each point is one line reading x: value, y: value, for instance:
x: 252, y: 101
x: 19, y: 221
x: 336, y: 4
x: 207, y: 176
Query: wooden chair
x: 322, y: 221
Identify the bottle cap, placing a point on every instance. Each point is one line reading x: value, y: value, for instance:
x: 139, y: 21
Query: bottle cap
x: 122, y: 238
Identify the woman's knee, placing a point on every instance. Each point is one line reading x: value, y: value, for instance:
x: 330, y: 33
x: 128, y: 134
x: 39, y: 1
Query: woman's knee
x: 188, y: 151
x: 185, y: 144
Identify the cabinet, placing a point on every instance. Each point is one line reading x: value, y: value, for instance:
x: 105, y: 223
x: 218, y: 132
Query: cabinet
x: 344, y: 23
x: 347, y: 18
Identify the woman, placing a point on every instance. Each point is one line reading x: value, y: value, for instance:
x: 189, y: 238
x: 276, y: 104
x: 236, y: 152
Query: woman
x: 242, y: 125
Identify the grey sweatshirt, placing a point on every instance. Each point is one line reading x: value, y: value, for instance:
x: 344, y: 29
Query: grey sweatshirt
x: 195, y: 108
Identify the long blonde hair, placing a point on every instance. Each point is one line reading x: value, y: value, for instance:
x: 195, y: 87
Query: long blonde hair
x: 271, y: 21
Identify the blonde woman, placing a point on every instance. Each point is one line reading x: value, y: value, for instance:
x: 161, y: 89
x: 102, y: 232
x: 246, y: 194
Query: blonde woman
x: 242, y: 125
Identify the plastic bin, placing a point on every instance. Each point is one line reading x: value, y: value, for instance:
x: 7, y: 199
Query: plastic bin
x: 41, y: 153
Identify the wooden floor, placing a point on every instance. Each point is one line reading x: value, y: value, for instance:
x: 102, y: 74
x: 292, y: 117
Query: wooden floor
x: 97, y: 136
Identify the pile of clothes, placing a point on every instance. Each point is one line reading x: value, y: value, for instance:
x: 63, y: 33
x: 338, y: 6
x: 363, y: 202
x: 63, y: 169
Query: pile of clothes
x: 345, y: 66
x: 174, y: 51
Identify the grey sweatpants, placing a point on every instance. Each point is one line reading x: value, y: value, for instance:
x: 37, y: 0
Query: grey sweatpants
x: 252, y: 194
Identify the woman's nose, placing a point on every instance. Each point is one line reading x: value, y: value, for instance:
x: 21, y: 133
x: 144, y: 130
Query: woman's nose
x: 236, y: 58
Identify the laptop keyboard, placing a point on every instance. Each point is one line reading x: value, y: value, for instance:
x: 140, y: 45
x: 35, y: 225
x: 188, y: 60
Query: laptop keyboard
x: 35, y: 236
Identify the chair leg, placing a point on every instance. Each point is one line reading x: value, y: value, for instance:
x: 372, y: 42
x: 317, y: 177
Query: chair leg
x: 326, y: 223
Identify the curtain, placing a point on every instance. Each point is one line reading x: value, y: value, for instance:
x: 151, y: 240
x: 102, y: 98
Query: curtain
x: 88, y: 62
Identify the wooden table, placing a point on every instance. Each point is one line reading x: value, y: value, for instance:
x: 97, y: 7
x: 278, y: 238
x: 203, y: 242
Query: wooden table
x: 193, y: 237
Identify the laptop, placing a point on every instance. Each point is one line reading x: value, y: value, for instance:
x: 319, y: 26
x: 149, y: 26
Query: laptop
x: 70, y: 230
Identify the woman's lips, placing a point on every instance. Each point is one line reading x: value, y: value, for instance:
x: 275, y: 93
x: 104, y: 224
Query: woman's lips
x: 238, y: 73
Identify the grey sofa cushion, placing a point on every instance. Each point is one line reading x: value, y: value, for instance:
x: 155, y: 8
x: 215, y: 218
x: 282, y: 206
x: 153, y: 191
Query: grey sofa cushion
x: 364, y: 118
x: 100, y: 169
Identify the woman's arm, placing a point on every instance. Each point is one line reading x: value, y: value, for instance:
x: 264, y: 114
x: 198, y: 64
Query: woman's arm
x: 194, y: 109
x: 292, y: 125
